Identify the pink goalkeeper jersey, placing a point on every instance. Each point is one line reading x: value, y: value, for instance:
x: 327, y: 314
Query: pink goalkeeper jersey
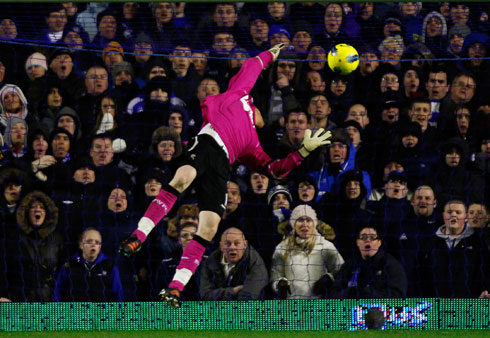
x: 232, y: 116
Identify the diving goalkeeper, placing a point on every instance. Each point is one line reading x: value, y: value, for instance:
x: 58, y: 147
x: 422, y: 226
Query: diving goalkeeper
x: 228, y: 134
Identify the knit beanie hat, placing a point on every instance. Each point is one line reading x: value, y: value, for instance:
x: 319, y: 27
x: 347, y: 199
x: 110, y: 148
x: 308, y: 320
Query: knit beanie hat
x: 276, y: 190
x: 303, y: 210
x: 112, y: 46
x: 121, y: 67
x: 37, y: 59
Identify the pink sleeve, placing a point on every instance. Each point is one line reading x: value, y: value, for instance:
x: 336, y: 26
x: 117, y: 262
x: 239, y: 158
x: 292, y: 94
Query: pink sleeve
x: 250, y: 71
x: 261, y: 162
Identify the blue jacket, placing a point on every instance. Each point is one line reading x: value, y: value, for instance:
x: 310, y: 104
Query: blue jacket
x: 79, y: 281
x: 330, y: 182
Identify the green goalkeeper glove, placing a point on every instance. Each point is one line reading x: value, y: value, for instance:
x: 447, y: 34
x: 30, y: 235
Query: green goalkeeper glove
x: 311, y: 142
x: 276, y: 50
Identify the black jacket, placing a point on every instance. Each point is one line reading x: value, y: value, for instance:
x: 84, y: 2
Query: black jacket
x: 380, y: 276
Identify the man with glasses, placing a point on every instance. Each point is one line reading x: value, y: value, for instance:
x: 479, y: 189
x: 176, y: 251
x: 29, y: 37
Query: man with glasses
x: 372, y: 273
x: 462, y: 91
x: 96, y: 84
x: 89, y: 276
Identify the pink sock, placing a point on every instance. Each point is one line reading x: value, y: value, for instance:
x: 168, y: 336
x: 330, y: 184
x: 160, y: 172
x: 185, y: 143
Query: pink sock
x: 191, y: 258
x: 160, y: 206
x: 140, y: 235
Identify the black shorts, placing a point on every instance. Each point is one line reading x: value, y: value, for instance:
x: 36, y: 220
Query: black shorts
x: 213, y: 172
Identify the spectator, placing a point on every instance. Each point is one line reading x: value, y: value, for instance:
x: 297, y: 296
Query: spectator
x: 296, y: 122
x: 437, y: 87
x: 15, y: 143
x: 279, y: 34
x: 478, y: 216
x: 234, y: 214
x: 96, y: 84
x: 260, y: 229
x: 420, y: 113
x: 302, y: 38
x: 339, y: 97
x: 434, y: 33
x: 78, y: 201
x: 319, y: 110
x: 259, y: 35
x: 234, y: 272
x: 184, y: 77
x: 187, y: 213
x: 411, y: 20
x: 417, y: 158
x: 32, y: 277
x: 112, y: 54
x: 56, y: 19
x: 276, y: 93
x: 338, y: 158
x: 108, y: 29
x: 331, y: 32
x: 36, y: 66
x: 14, y: 184
x: 453, y: 261
x: 143, y: 55
x: 125, y: 87
x: 391, y: 49
x: 224, y: 18
x: 49, y: 107
x: 89, y: 276
x: 459, y: 13
x: 115, y: 221
x: 303, y: 257
x: 200, y: 62
x: 453, y: 179
x: 462, y: 91
x: 345, y: 211
x: 88, y: 18
x: 61, y: 75
x: 12, y: 104
x: 404, y: 241
x: 364, y: 78
x: 169, y: 26
x: 166, y: 270
x: 456, y: 36
x: 393, y: 208
x: 107, y: 171
x: 372, y: 273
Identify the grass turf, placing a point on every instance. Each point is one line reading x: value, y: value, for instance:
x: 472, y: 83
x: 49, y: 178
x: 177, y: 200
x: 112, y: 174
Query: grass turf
x: 238, y: 334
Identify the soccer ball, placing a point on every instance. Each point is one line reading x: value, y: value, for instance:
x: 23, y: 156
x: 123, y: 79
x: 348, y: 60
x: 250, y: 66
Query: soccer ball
x: 343, y: 59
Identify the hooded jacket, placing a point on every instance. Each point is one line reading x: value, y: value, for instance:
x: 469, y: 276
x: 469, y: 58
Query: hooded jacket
x: 457, y: 182
x: 438, y: 44
x: 4, y: 116
x: 454, y: 266
x: 35, y: 254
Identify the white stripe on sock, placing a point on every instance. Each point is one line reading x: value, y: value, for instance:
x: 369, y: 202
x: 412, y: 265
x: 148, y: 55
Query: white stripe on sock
x: 145, y: 225
x: 183, y: 275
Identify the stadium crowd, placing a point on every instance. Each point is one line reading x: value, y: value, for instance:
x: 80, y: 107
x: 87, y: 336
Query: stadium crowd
x: 99, y: 100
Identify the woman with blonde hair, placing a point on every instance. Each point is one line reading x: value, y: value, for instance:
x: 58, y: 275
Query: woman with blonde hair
x: 303, y: 257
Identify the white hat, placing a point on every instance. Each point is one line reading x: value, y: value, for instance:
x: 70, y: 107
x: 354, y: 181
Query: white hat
x: 36, y: 59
